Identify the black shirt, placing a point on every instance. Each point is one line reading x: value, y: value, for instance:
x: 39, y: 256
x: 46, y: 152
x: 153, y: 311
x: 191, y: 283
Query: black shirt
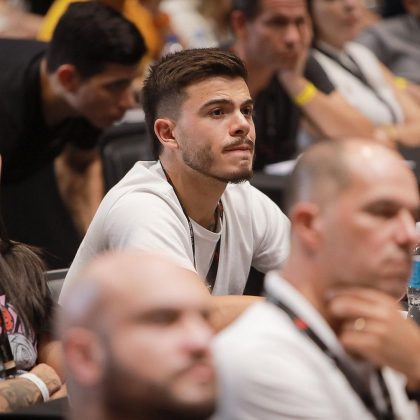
x: 277, y: 118
x: 26, y: 143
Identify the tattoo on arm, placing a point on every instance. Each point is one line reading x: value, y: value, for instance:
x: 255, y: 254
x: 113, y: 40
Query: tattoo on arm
x: 16, y: 393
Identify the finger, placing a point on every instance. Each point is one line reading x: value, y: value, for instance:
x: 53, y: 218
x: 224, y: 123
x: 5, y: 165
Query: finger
x: 363, y: 293
x: 350, y: 307
x: 365, y: 346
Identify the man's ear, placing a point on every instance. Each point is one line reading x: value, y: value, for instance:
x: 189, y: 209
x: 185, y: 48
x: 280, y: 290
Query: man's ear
x: 69, y: 77
x: 164, y: 130
x: 307, y: 224
x: 84, y: 356
x: 238, y: 22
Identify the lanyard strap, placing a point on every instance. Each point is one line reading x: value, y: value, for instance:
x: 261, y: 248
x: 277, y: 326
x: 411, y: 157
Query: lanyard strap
x: 358, y: 73
x: 212, y: 273
x: 353, y: 379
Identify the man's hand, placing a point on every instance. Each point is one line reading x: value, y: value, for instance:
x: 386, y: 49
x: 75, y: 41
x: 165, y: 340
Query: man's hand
x: 294, y: 68
x: 373, y: 328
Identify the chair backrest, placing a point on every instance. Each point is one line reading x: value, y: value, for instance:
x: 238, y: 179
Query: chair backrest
x: 55, y: 280
x: 121, y: 147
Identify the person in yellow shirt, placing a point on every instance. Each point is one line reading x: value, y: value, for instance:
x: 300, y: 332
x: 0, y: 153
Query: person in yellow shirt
x: 149, y: 24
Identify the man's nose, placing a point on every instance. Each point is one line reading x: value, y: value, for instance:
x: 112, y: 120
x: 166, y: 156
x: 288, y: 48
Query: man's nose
x: 241, y: 125
x: 292, y: 34
x: 406, y: 231
x: 198, y: 334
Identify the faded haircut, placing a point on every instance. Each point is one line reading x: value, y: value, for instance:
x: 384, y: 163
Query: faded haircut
x: 164, y: 87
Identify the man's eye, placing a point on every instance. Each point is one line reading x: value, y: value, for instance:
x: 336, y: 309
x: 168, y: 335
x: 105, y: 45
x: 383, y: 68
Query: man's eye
x: 386, y: 212
x: 217, y: 112
x: 161, y: 317
x: 248, y: 111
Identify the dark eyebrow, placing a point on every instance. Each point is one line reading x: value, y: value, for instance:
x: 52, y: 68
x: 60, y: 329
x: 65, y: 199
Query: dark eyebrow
x: 224, y: 102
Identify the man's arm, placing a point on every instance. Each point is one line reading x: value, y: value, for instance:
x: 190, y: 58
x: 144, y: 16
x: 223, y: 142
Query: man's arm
x: 329, y: 115
x: 227, y: 308
x: 407, y: 133
x: 20, y: 392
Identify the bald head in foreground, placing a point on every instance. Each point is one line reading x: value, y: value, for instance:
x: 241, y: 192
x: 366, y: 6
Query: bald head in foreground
x: 136, y: 339
x: 330, y: 330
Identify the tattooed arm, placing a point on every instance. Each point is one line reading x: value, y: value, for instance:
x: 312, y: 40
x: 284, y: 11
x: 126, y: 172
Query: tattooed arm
x: 20, y: 392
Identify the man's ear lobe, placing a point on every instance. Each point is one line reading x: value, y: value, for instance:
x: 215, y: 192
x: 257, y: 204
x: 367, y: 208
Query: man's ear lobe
x: 238, y: 22
x: 164, y: 130
x: 85, y: 356
x: 68, y: 77
x: 306, y: 223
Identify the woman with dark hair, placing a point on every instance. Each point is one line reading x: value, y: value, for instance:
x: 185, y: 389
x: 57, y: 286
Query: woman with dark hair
x: 359, y: 76
x: 26, y: 342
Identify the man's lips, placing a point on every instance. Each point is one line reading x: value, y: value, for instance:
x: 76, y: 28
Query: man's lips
x: 239, y: 148
x: 247, y: 146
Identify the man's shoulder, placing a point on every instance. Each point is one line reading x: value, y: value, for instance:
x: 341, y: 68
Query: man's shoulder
x: 143, y: 182
x: 20, y: 50
x: 394, y: 26
x: 260, y: 323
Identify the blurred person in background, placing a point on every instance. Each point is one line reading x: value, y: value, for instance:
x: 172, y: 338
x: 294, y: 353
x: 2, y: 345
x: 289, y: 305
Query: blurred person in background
x: 273, y: 38
x: 26, y: 326
x: 56, y: 100
x: 136, y: 340
x: 330, y: 342
x: 199, y: 23
x: 395, y: 41
x: 360, y: 77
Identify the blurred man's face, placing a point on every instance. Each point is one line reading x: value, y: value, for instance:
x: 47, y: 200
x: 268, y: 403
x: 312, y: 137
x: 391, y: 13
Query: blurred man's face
x: 368, y: 230
x: 158, y: 359
x: 413, y: 7
x: 104, y: 98
x: 280, y: 32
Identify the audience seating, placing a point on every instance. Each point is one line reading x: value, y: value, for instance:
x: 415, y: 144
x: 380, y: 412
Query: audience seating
x: 55, y: 279
x: 121, y: 147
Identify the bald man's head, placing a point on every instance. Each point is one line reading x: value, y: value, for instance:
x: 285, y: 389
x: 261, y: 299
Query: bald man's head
x: 118, y: 274
x: 327, y: 168
x: 139, y: 319
x: 353, y: 206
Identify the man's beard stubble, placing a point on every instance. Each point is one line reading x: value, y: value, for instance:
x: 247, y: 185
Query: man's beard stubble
x: 202, y: 160
x: 126, y: 396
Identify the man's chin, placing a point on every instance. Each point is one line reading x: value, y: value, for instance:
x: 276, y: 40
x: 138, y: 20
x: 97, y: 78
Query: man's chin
x: 236, y: 177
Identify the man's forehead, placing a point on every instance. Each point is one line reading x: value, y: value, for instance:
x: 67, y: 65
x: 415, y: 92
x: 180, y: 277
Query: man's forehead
x: 391, y: 182
x: 283, y: 6
x: 112, y: 72
x: 218, y: 87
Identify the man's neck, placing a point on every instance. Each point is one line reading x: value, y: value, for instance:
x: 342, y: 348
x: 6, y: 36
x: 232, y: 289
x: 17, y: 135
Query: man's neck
x: 54, y: 106
x: 259, y: 76
x: 308, y: 281
x: 199, y: 194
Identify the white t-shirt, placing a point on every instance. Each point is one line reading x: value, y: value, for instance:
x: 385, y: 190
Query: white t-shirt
x: 269, y: 370
x: 143, y: 212
x: 355, y: 91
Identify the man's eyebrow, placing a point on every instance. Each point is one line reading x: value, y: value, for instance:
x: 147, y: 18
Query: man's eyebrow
x: 222, y: 101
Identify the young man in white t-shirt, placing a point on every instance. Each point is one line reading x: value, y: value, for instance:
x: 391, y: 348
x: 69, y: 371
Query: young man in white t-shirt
x: 195, y: 203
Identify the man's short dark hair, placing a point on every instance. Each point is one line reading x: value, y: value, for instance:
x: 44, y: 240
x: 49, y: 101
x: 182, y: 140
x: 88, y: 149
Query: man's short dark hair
x: 250, y: 8
x: 91, y: 35
x: 164, y: 87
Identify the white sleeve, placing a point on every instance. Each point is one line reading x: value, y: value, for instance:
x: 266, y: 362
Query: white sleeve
x: 271, y: 232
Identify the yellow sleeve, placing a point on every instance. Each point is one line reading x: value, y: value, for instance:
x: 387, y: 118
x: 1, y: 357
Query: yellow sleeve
x: 145, y: 23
